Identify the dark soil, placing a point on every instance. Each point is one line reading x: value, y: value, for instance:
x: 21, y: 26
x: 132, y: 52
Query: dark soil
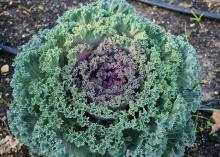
x: 20, y: 20
x: 205, y: 5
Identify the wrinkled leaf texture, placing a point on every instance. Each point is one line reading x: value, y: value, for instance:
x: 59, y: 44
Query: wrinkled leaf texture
x: 157, y: 123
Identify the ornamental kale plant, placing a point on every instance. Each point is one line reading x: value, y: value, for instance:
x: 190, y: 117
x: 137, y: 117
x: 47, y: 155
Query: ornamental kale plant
x: 105, y: 82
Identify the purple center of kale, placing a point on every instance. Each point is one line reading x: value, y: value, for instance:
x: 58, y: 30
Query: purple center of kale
x: 107, y: 72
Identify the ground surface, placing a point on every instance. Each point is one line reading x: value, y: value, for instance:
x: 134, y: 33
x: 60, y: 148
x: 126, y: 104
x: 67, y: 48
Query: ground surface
x: 19, y: 20
x: 206, y: 5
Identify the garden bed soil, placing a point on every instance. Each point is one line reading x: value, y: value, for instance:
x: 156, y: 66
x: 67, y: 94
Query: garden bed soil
x: 206, y: 5
x: 20, y: 20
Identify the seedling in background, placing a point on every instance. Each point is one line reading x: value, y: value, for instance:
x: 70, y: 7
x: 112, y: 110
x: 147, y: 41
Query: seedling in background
x: 204, y: 127
x: 198, y: 19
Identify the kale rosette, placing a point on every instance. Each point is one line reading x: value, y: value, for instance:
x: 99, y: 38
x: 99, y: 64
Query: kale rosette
x: 105, y: 82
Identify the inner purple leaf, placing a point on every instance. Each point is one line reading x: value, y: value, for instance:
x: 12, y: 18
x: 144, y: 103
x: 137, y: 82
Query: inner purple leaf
x: 107, y: 72
x: 84, y: 55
